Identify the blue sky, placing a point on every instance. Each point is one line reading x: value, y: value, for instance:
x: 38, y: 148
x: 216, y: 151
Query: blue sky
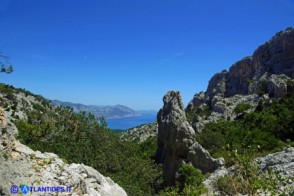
x: 131, y: 52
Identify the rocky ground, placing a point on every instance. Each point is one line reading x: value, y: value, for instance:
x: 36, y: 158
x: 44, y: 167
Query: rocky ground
x: 281, y: 162
x: 141, y: 133
x: 20, y: 165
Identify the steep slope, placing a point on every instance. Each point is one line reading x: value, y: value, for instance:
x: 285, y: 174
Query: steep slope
x: 117, y: 111
x: 267, y: 74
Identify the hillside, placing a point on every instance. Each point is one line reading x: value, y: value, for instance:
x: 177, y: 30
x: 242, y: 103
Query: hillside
x: 266, y: 75
x: 245, y: 113
x: 236, y: 138
x: 117, y: 111
x: 32, y: 124
x: 20, y: 165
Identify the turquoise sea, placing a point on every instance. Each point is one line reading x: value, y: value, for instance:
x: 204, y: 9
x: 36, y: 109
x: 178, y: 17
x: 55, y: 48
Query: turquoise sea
x: 129, y: 122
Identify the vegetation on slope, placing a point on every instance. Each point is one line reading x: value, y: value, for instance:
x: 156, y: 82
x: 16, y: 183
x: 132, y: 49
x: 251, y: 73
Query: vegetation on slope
x: 250, y: 179
x: 271, y: 127
x: 81, y: 138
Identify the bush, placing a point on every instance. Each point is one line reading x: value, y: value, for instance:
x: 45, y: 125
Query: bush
x: 189, y: 182
x: 240, y: 108
x: 189, y: 175
x: 248, y: 178
x: 202, y: 111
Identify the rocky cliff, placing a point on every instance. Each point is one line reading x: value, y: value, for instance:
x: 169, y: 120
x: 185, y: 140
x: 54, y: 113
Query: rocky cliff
x: 176, y: 142
x: 20, y: 165
x: 267, y: 74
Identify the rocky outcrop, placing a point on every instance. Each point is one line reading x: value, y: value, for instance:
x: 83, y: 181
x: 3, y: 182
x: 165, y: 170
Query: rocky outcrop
x: 268, y: 73
x: 275, y: 57
x: 140, y: 133
x: 176, y: 142
x: 281, y: 162
x: 7, y: 132
x: 20, y: 165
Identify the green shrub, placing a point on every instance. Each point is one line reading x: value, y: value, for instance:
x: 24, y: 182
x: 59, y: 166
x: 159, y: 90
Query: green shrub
x: 189, y: 175
x: 240, y: 108
x: 189, y: 182
x: 202, y: 111
x: 248, y: 178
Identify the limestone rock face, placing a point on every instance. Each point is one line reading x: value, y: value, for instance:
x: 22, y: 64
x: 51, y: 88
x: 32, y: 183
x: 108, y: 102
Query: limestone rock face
x: 217, y: 85
x: 268, y: 73
x: 20, y: 165
x: 7, y: 132
x: 176, y: 142
x: 275, y: 57
x: 283, y: 162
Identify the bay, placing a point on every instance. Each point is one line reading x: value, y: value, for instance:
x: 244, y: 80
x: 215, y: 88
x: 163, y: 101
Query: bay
x: 129, y: 122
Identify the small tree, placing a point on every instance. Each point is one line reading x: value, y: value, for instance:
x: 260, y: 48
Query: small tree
x: 189, y: 175
x: 4, y: 62
x: 188, y: 183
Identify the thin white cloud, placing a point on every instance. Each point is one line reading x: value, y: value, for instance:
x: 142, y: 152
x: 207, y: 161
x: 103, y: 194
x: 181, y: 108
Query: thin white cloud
x: 178, y: 54
x: 165, y: 60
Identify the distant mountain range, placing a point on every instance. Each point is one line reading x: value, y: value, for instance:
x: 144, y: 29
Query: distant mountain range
x: 116, y: 111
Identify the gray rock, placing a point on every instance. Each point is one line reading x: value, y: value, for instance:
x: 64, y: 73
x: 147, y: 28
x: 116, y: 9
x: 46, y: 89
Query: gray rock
x: 176, y: 142
x: 270, y: 70
x: 281, y: 161
x: 201, y: 159
x: 21, y: 165
x: 7, y: 132
x: 217, y: 85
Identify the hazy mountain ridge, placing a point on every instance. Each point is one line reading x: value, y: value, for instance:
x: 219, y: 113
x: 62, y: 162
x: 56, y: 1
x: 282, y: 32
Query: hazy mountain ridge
x: 116, y: 111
